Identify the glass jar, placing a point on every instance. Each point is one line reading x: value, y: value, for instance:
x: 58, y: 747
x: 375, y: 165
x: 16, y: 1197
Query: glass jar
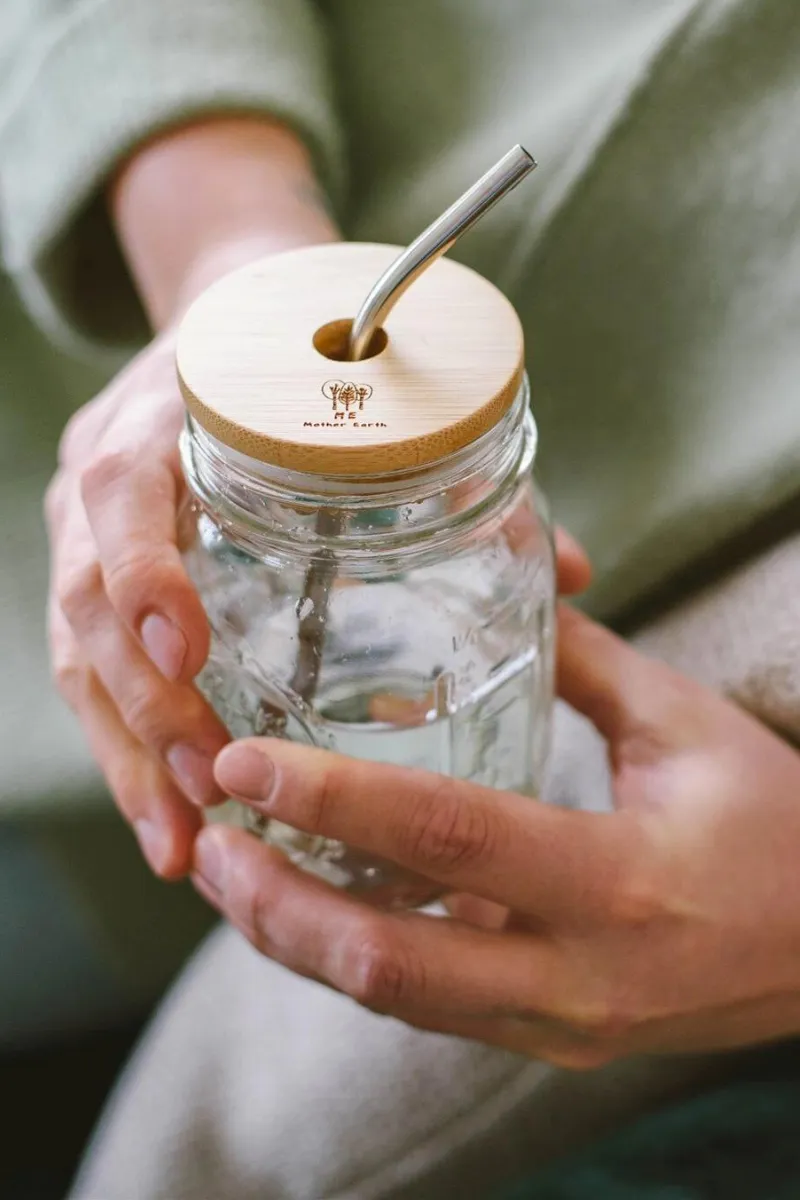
x: 403, y: 617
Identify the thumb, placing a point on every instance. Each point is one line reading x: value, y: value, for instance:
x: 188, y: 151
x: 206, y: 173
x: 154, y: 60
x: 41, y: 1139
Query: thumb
x: 623, y: 693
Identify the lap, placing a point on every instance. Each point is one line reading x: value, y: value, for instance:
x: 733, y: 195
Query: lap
x: 253, y: 1083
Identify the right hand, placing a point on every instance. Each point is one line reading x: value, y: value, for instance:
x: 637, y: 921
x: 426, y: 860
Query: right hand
x: 127, y: 629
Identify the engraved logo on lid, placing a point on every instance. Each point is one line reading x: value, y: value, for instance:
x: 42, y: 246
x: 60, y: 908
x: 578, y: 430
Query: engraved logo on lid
x: 347, y: 399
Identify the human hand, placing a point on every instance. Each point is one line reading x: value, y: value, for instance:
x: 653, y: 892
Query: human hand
x: 667, y: 926
x: 127, y: 629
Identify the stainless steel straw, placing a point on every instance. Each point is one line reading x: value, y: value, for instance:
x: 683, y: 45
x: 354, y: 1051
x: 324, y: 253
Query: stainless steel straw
x: 434, y: 242
x: 430, y: 245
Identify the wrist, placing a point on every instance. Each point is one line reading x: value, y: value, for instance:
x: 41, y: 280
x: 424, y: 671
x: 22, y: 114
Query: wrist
x: 201, y: 200
x: 219, y: 255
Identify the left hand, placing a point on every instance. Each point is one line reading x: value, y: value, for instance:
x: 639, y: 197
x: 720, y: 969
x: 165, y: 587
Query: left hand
x: 668, y: 926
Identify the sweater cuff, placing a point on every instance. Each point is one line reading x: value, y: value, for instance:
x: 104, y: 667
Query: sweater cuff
x: 96, y: 84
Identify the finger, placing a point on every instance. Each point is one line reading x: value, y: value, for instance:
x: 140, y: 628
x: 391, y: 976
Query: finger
x: 624, y: 694
x: 171, y: 719
x: 572, y: 562
x: 386, y: 961
x: 539, y: 1039
x: 524, y: 532
x: 131, y: 490
x: 85, y: 428
x: 474, y: 911
x: 164, y: 823
x: 728, y: 1025
x: 529, y: 856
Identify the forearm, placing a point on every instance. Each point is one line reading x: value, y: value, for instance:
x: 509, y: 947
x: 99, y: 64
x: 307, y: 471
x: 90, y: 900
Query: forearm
x: 205, y: 198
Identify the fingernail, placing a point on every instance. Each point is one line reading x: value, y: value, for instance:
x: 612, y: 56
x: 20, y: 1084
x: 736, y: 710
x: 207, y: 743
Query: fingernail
x: 209, y: 860
x: 243, y: 771
x: 154, y: 843
x: 165, y: 644
x: 195, y: 773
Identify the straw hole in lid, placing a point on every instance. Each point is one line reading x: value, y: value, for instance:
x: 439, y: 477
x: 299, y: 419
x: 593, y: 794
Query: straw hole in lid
x: 333, y: 341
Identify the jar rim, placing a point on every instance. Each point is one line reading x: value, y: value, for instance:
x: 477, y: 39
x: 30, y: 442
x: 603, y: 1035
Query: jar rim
x: 274, y: 514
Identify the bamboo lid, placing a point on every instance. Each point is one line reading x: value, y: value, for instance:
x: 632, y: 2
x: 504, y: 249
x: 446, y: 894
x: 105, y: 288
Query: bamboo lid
x: 258, y: 370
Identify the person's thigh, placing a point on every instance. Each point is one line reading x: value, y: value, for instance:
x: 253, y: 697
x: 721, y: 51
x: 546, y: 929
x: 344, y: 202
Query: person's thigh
x: 254, y: 1084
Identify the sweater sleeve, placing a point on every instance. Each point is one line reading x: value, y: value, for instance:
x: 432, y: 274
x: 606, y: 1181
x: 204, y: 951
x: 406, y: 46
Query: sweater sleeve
x: 84, y: 82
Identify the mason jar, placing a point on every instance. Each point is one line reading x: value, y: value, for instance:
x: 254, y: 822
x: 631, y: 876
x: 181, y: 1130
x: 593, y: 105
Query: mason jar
x: 370, y: 546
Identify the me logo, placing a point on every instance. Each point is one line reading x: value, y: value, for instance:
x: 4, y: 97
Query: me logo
x: 347, y: 399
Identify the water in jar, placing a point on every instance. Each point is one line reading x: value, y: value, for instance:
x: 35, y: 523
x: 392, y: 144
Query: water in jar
x: 444, y: 666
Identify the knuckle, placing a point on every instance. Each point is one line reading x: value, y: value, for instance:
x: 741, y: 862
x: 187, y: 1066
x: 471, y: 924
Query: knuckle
x: 105, y: 472
x: 675, y: 692
x: 580, y: 1058
x: 124, y: 780
x: 444, y: 832
x: 135, y: 578
x: 71, y: 678
x: 257, y: 906
x: 381, y: 974
x: 71, y: 436
x: 605, y: 709
x: 323, y: 799
x: 79, y: 589
x: 261, y: 905
x: 144, y: 714
x: 635, y: 901
x: 644, y: 740
x: 605, y: 1022
x: 53, y: 498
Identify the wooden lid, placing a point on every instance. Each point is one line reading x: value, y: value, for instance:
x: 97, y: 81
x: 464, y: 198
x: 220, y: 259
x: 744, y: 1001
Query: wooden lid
x: 253, y: 369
